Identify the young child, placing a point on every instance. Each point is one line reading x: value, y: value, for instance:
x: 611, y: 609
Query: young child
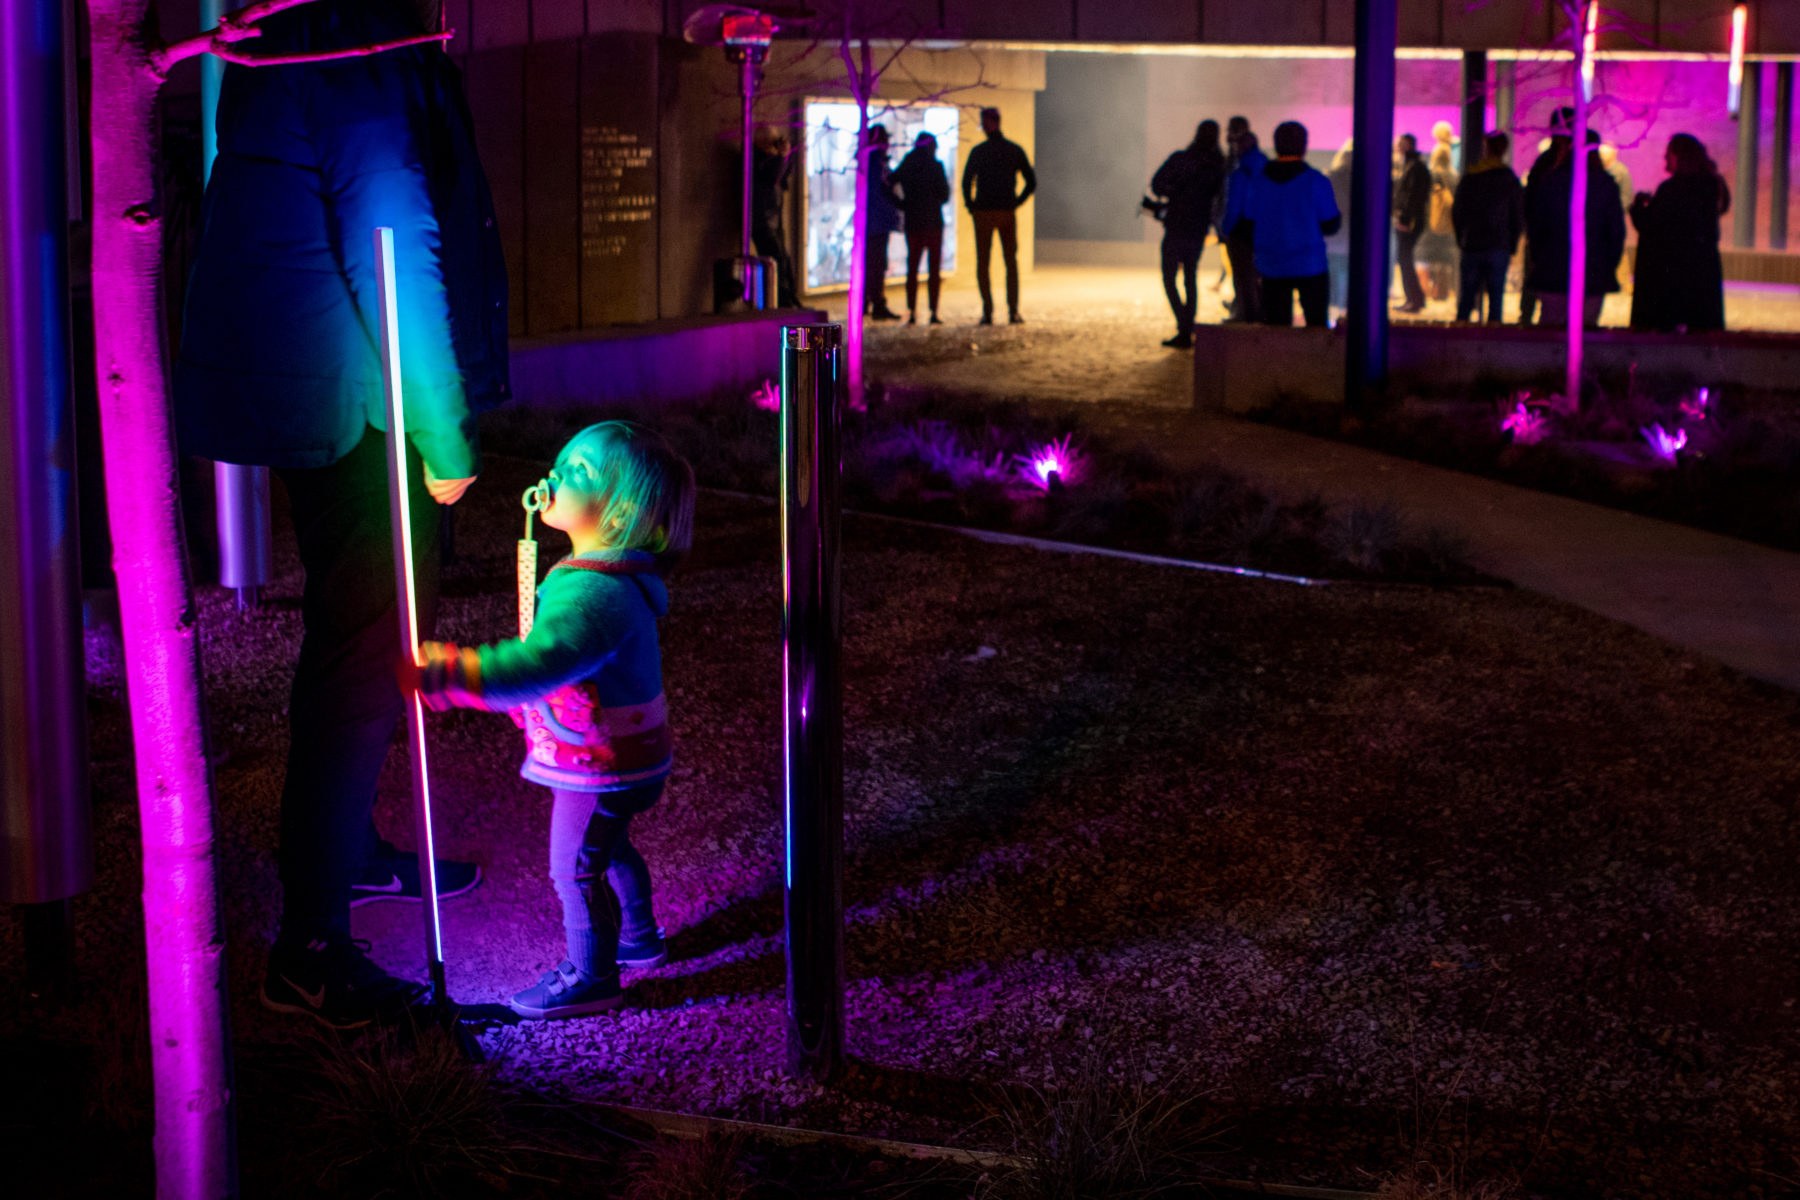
x: 589, y: 681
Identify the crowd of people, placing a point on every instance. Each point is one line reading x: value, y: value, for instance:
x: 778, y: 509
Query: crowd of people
x: 1279, y: 224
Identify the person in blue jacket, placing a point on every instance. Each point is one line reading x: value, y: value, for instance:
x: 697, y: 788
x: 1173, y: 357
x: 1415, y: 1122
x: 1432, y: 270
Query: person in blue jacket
x: 280, y: 366
x: 1245, y: 161
x: 1290, y: 210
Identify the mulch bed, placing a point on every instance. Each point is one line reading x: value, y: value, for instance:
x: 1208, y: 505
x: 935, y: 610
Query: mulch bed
x: 1376, y: 871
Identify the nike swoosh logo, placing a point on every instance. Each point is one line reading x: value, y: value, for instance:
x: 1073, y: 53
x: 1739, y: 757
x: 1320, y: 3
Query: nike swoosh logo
x: 392, y: 885
x: 316, y: 999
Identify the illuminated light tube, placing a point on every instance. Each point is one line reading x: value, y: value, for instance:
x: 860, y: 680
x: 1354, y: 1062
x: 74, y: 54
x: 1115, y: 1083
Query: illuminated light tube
x: 1589, y: 43
x: 400, y: 510
x: 1740, y: 22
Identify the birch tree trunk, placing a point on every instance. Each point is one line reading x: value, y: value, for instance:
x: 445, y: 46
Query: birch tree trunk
x: 183, y: 937
x: 1578, y: 190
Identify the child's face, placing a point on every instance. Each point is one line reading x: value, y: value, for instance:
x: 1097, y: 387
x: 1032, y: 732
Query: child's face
x: 575, y: 499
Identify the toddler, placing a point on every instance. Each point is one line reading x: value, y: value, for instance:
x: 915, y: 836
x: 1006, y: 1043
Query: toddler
x: 588, y: 682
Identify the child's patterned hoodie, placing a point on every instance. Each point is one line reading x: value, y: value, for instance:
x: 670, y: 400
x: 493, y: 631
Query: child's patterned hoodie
x: 586, y: 683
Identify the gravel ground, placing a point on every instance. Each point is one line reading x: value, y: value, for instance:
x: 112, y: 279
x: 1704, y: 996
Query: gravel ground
x: 1375, y: 871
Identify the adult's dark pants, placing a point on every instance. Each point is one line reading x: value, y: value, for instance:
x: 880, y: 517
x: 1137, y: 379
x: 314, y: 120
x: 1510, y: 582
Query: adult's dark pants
x: 875, y: 269
x: 1404, y: 245
x: 1181, y: 255
x: 1244, y: 279
x: 989, y: 222
x: 929, y: 245
x: 1278, y: 298
x: 769, y: 243
x: 345, y: 703
x: 1483, y: 277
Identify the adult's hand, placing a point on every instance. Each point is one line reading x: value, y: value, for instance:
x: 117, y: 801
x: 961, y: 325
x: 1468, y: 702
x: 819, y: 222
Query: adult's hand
x: 446, y: 491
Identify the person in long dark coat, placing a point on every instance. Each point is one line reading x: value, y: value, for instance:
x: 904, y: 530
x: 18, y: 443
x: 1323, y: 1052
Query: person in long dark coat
x: 1680, y: 280
x: 1190, y: 181
x: 1547, y: 228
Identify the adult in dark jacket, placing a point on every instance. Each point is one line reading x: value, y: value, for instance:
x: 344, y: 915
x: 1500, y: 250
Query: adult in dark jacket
x: 1489, y: 215
x: 771, y: 162
x: 1412, y: 212
x: 924, y: 189
x: 279, y: 365
x: 1290, y: 210
x: 1680, y: 280
x: 989, y: 180
x: 1189, y: 182
x: 1246, y: 161
x: 884, y: 220
x: 1547, y: 227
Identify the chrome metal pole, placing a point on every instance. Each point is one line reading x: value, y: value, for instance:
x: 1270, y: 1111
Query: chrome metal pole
x: 46, y: 844
x: 812, y: 399
x: 241, y: 499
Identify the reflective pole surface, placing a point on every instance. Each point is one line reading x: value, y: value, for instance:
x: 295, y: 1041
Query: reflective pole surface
x: 46, y: 847
x: 1743, y: 198
x: 241, y: 500
x: 812, y: 398
x: 1371, y: 199
x: 1779, y: 167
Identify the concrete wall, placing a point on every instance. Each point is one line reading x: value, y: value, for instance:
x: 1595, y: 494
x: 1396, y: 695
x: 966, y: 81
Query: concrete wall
x: 1093, y: 144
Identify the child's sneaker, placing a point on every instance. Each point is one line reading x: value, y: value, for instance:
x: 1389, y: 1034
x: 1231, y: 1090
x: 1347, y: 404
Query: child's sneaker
x: 566, y: 992
x: 332, y: 980
x: 644, y: 952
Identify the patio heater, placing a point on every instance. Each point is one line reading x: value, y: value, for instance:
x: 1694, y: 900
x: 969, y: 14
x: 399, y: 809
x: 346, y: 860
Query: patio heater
x: 746, y: 282
x: 241, y: 500
x: 812, y: 401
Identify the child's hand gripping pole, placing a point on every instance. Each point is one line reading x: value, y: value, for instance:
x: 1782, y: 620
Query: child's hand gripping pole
x: 535, y: 500
x: 400, y: 509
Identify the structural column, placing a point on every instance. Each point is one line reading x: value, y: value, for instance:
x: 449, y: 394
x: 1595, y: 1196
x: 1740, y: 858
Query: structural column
x: 1365, y: 367
x: 1506, y: 93
x: 1743, y: 199
x: 1474, y: 107
x: 46, y: 849
x: 1778, y: 168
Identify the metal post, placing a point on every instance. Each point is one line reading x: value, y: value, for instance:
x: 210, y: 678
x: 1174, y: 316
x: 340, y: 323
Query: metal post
x: 46, y: 846
x: 1474, y: 107
x: 1371, y: 199
x: 1743, y: 201
x: 1778, y: 169
x: 1506, y: 98
x: 812, y: 399
x: 246, y: 555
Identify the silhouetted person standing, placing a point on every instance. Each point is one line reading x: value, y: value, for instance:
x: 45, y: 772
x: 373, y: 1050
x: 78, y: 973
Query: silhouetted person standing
x: 989, y: 185
x: 1412, y: 204
x: 1245, y: 163
x: 884, y: 219
x: 924, y: 190
x: 1680, y: 280
x: 1288, y: 212
x: 1489, y: 215
x: 1189, y: 181
x: 768, y: 187
x: 1547, y: 225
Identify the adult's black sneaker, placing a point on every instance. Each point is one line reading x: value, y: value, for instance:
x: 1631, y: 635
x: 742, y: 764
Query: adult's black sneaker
x: 393, y: 874
x: 332, y: 980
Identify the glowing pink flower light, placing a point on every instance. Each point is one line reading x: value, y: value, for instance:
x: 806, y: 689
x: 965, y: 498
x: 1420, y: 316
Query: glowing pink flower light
x: 1664, y: 443
x: 767, y: 396
x: 1698, y: 406
x: 1527, y: 425
x: 1058, y: 458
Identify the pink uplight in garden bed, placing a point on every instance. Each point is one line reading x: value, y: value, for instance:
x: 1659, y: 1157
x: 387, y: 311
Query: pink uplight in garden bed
x: 1058, y: 458
x: 1665, y: 444
x: 1527, y: 425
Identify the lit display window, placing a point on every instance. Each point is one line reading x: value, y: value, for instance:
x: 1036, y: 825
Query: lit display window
x: 831, y: 180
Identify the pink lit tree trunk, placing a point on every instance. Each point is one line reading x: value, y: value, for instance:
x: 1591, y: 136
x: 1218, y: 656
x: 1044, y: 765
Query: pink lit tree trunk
x: 1578, y: 190
x: 183, y: 938
x: 183, y: 935
x: 861, y: 76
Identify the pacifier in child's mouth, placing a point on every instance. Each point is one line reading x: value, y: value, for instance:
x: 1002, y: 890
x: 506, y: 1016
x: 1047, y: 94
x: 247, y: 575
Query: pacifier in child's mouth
x: 537, y: 498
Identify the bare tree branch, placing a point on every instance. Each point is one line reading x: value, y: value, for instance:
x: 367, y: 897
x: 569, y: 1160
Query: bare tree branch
x: 242, y: 26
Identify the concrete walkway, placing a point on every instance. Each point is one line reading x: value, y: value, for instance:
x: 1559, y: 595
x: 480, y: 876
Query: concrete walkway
x: 1730, y: 600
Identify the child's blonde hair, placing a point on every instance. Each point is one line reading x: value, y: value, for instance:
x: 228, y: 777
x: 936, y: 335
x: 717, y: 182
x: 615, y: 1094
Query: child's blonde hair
x: 648, y: 489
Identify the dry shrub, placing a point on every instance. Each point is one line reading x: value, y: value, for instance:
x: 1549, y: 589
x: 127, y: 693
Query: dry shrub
x: 1106, y: 1134
x: 1364, y: 535
x: 708, y: 1168
x: 1427, y: 1181
x: 404, y: 1112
